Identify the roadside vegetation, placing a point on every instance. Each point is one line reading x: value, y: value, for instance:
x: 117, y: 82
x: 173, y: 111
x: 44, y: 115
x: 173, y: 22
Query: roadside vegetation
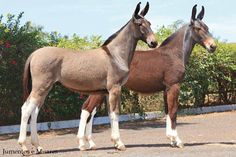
x: 210, y: 78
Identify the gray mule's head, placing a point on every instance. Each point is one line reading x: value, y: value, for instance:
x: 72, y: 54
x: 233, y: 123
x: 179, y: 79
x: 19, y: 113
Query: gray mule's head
x: 142, y: 25
x: 200, y: 31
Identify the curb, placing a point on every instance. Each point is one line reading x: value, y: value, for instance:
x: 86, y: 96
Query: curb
x: 122, y: 118
x: 75, y: 123
x: 203, y: 110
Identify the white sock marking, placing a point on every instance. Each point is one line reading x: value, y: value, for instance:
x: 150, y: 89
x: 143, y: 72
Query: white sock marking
x: 115, y: 134
x: 171, y: 133
x: 89, y: 126
x: 26, y: 110
x: 33, y: 127
x: 83, y: 119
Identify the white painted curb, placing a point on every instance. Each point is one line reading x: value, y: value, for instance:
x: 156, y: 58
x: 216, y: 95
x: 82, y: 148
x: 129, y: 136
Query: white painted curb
x: 122, y: 118
x: 202, y: 110
x: 75, y: 123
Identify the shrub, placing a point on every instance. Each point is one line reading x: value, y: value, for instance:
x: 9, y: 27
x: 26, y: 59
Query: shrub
x: 210, y: 76
x: 16, y: 43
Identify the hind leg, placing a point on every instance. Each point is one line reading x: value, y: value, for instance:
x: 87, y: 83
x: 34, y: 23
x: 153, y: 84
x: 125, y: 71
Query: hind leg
x: 31, y: 107
x: 33, y: 127
x: 171, y: 100
x: 26, y: 110
x: 88, y: 131
x: 81, y: 132
x: 33, y: 122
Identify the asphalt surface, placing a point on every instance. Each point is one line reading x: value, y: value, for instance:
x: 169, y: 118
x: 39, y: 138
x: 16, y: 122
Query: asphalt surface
x: 209, y: 135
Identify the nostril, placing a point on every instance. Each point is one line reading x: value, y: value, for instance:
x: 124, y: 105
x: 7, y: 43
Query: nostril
x: 154, y: 43
x: 213, y: 46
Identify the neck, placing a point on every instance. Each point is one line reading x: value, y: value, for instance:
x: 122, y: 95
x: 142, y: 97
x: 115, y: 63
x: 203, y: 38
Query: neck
x: 122, y: 47
x: 188, y: 45
x: 180, y: 44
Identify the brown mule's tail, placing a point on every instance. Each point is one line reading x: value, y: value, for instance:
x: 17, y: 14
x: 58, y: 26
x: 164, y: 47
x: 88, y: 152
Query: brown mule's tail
x: 27, y: 79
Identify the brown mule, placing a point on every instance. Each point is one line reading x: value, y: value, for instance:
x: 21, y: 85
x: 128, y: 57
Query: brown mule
x: 162, y: 69
x: 102, y: 70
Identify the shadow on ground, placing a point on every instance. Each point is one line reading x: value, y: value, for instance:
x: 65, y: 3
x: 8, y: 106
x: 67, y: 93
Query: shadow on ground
x: 139, y: 146
x: 133, y: 125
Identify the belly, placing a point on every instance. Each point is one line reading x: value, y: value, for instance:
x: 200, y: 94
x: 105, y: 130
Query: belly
x: 145, y: 88
x: 145, y: 84
x: 84, y: 73
x: 84, y: 80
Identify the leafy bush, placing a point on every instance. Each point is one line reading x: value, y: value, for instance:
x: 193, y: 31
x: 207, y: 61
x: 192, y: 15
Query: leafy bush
x: 210, y: 74
x: 16, y: 43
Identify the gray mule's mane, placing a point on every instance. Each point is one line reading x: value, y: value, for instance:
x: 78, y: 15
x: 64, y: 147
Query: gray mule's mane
x: 114, y: 35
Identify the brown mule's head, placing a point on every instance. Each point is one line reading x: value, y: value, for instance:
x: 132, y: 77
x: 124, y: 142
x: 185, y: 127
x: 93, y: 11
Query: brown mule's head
x: 200, y: 30
x: 143, y: 30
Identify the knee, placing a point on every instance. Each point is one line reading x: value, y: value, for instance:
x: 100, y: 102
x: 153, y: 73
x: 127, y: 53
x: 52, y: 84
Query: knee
x: 24, y: 107
x: 114, y: 116
x: 25, y: 112
x: 34, y: 114
x: 173, y: 115
x: 176, y: 88
x: 116, y: 90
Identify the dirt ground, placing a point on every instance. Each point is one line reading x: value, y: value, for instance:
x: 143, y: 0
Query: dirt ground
x: 211, y: 135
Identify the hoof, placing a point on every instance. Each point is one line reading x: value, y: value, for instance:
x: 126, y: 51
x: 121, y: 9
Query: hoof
x: 121, y: 147
x: 175, y: 145
x: 39, y: 150
x: 93, y: 147
x: 25, y: 152
x: 180, y: 145
x: 82, y: 148
x: 82, y: 145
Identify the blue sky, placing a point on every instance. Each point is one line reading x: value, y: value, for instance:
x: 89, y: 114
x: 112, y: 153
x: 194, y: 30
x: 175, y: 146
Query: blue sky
x: 93, y: 17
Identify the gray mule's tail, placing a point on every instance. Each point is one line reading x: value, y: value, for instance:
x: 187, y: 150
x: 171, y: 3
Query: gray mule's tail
x: 27, y: 79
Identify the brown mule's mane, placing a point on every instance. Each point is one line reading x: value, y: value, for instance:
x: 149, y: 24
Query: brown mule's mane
x: 114, y: 35
x: 167, y: 40
x: 171, y: 37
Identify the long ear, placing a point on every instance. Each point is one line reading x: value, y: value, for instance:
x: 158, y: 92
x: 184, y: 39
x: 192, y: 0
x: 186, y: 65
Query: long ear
x: 201, y: 14
x: 137, y: 10
x: 194, y: 11
x: 145, y: 10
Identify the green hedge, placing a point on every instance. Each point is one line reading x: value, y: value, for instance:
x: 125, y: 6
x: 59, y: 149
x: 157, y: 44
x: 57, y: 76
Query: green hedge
x: 17, y: 41
x: 206, y: 73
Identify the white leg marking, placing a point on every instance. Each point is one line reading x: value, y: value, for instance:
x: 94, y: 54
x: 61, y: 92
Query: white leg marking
x: 115, y: 134
x: 114, y: 126
x: 83, y: 119
x: 168, y: 125
x: 26, y: 110
x: 88, y: 131
x: 172, y: 133
x: 33, y: 128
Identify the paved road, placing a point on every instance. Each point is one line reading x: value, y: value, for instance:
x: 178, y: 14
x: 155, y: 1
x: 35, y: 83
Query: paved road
x: 211, y: 135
